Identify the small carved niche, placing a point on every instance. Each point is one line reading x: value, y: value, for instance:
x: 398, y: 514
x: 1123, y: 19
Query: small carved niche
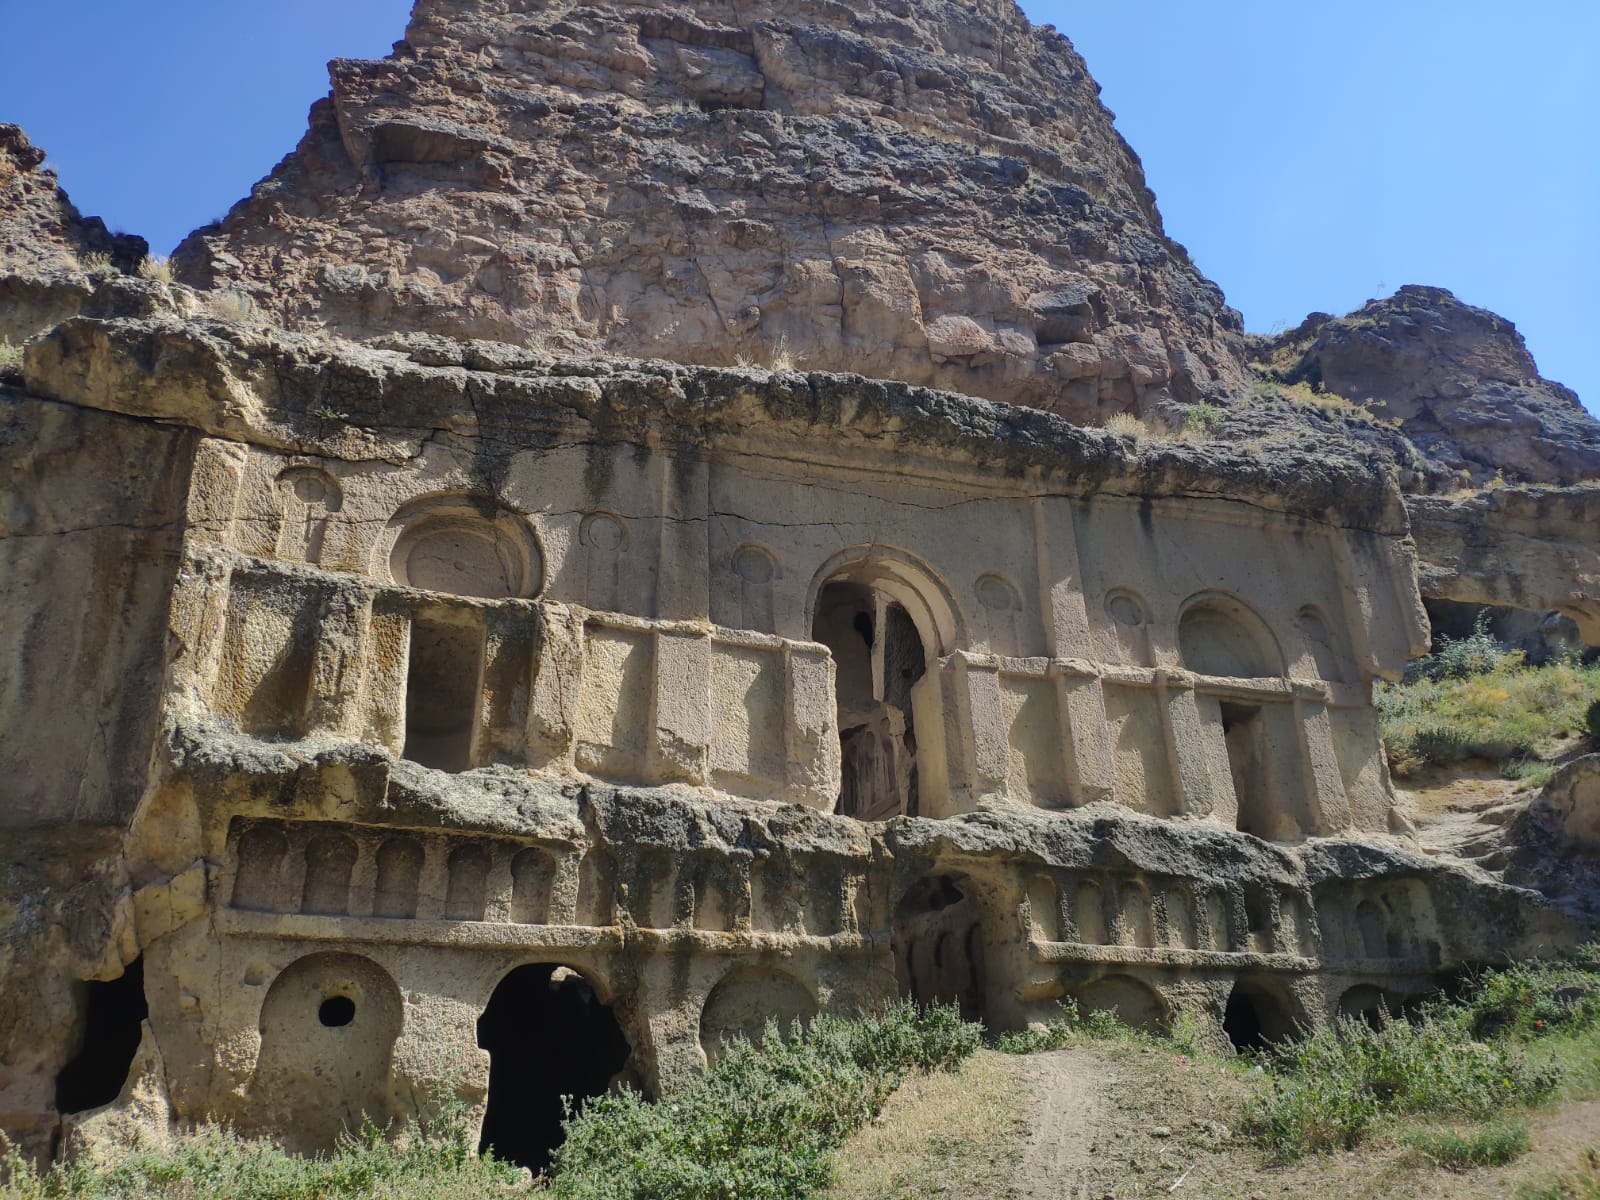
x: 307, y: 496
x: 756, y: 569
x: 261, y: 852
x: 1181, y: 926
x: 711, y: 908
x: 605, y: 543
x: 330, y: 859
x: 1044, y: 908
x: 1088, y: 911
x: 466, y: 891
x: 1000, y: 607
x: 533, y: 874
x: 399, y: 879
x: 1138, y: 922
x: 597, y: 892
x: 444, y: 686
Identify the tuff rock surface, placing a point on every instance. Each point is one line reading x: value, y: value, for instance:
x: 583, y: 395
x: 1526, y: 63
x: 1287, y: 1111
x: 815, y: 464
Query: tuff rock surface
x: 927, y: 192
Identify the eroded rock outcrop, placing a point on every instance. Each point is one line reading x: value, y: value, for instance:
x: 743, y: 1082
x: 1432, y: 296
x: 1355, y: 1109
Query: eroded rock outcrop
x: 47, y: 248
x: 1457, y: 381
x: 925, y: 192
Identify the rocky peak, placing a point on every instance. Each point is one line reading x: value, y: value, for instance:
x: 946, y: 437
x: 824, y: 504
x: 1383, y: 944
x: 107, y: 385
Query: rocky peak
x: 929, y: 192
x: 1458, y: 380
x: 47, y: 248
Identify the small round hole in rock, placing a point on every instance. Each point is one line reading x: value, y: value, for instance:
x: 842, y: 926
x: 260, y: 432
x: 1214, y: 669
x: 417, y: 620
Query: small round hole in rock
x: 337, y: 1012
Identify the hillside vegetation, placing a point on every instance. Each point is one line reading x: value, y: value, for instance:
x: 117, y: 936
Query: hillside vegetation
x: 1474, y: 699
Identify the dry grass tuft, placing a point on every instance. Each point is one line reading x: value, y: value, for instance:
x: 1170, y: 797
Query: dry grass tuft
x: 938, y: 1129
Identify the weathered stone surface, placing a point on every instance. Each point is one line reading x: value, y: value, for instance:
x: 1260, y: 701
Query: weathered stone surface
x: 1526, y: 548
x: 923, y: 192
x: 1458, y: 380
x: 46, y: 247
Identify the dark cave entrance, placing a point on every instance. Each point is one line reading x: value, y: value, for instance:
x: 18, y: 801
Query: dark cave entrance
x: 939, y: 946
x: 113, y: 1024
x: 548, y: 1037
x: 1259, y: 1015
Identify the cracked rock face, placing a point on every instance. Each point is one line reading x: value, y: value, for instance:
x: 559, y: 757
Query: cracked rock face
x: 908, y: 191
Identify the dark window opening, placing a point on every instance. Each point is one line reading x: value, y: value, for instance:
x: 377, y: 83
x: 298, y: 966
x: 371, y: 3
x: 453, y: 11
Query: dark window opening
x: 878, y: 659
x: 113, y: 1024
x: 1244, y: 732
x: 1258, y: 1017
x: 443, y: 687
x: 939, y: 947
x: 337, y: 1011
x: 548, y: 1037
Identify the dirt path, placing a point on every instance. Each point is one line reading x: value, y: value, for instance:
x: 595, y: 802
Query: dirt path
x: 1068, y: 1106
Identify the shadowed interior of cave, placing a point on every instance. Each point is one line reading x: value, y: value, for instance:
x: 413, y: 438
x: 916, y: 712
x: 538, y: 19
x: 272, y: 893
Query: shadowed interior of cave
x: 115, y: 1013
x: 939, y: 946
x: 548, y: 1037
x: 1256, y: 1018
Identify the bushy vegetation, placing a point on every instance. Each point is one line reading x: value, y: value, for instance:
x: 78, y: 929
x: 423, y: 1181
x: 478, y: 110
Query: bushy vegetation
x: 440, y: 1161
x: 1497, y: 1049
x: 761, y: 1124
x: 1328, y: 1091
x: 1474, y: 699
x: 10, y: 357
x: 1205, y: 418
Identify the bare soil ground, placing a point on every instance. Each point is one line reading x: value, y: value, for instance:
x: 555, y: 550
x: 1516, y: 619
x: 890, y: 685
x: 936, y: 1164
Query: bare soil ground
x: 1115, y: 1122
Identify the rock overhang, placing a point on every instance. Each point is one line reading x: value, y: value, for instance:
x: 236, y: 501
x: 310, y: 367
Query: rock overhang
x: 356, y: 401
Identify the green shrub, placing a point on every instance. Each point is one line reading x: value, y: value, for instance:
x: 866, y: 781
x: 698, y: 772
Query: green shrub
x: 1491, y: 1145
x: 10, y: 357
x: 1073, y: 1025
x: 763, y: 1122
x: 1325, y: 1093
x: 1479, y: 653
x: 1530, y: 1000
x: 1205, y: 418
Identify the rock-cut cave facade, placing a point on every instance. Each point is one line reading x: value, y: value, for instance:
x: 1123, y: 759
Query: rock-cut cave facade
x: 553, y: 754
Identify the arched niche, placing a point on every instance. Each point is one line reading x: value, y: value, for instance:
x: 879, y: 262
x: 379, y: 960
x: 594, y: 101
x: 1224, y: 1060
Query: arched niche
x: 1219, y: 635
x: 328, y: 1028
x: 940, y: 947
x: 307, y: 497
x: 746, y: 999
x: 886, y: 619
x: 1134, y: 1003
x: 1001, y: 611
x: 463, y: 546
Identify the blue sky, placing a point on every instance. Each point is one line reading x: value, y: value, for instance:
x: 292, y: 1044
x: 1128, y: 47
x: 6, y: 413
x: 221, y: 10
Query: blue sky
x: 1310, y: 156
